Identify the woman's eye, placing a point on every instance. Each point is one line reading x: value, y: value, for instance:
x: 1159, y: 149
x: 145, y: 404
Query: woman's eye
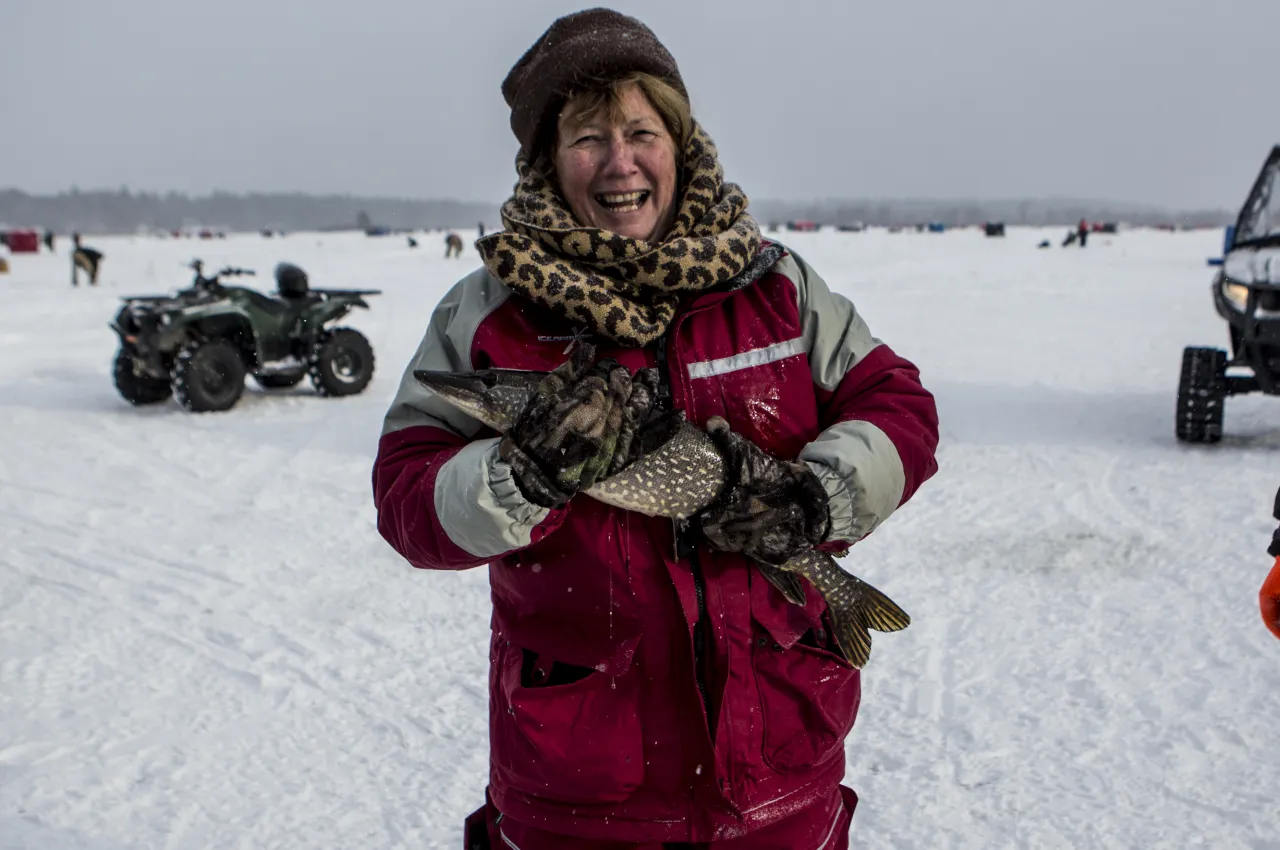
x: 583, y: 139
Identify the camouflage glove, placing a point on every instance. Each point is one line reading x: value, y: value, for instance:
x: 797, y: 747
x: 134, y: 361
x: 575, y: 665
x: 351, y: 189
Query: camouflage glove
x: 642, y: 422
x: 567, y: 434
x: 770, y: 509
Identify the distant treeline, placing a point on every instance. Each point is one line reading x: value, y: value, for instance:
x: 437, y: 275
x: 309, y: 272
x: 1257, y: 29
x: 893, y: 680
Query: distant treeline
x: 123, y: 211
x: 1027, y: 212
x: 129, y: 212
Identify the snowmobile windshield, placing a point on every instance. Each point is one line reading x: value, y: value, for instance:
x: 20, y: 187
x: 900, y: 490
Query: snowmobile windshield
x: 1259, y: 221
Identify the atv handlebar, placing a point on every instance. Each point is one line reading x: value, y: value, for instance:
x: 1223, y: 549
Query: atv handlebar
x: 197, y: 265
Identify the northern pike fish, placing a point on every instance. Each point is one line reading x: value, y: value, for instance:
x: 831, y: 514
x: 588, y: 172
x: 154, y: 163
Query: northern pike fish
x: 677, y: 477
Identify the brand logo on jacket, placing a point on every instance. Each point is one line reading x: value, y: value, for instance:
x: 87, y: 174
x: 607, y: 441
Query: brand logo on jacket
x: 580, y: 334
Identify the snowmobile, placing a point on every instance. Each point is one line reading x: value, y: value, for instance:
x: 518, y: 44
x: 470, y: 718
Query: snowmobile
x: 1246, y: 293
x: 198, y: 344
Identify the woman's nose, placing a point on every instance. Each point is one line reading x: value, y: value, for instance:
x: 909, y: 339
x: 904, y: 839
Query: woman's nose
x: 620, y: 156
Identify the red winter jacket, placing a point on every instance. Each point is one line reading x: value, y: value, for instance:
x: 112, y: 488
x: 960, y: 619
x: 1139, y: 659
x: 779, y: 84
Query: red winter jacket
x: 601, y: 723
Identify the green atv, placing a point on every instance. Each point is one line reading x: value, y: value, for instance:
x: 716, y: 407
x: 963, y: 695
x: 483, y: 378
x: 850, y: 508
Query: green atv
x: 198, y: 344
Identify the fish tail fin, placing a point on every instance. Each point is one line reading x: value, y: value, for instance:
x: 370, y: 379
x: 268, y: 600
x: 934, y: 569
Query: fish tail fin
x: 852, y: 636
x: 867, y: 609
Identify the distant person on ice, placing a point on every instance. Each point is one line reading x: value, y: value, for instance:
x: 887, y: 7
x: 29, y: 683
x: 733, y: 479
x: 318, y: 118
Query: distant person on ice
x: 452, y: 246
x: 1080, y: 235
x: 648, y: 688
x: 84, y: 259
x: 1269, y: 596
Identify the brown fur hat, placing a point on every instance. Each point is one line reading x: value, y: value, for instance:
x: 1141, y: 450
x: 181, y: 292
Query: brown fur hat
x: 593, y: 44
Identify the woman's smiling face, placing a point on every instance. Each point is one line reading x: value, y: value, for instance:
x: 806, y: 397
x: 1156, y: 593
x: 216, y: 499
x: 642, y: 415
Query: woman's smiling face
x: 618, y: 175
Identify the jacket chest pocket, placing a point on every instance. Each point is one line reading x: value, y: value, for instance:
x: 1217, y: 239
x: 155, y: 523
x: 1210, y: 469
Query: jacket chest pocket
x: 766, y: 394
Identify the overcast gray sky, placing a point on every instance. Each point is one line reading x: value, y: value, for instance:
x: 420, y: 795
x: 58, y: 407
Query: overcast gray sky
x: 1170, y: 102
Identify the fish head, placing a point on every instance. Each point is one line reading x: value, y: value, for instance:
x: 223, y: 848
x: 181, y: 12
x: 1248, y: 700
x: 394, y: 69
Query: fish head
x: 492, y: 396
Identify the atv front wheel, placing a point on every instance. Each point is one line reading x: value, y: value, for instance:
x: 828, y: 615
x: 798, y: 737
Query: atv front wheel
x: 1202, y: 389
x: 138, y: 389
x: 342, y: 363
x: 278, y: 380
x: 208, y: 376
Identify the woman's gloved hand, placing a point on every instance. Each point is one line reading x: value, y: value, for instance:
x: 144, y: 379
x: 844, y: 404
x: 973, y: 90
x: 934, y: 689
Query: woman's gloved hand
x: 566, y: 436
x: 770, y: 509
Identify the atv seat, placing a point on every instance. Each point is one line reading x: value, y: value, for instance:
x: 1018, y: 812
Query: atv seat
x: 306, y: 299
x: 274, y: 306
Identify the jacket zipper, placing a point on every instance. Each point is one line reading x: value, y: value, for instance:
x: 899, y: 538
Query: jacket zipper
x: 684, y: 547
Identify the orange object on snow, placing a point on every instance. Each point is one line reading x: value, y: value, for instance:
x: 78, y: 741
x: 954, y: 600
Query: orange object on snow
x: 1269, y: 599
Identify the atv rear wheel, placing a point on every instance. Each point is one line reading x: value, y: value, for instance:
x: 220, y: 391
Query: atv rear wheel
x: 1202, y: 389
x: 208, y: 376
x: 342, y: 363
x: 279, y: 380
x: 138, y: 389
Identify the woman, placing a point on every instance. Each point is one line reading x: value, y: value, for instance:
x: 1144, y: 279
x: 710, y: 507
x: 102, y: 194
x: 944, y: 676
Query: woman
x: 647, y: 688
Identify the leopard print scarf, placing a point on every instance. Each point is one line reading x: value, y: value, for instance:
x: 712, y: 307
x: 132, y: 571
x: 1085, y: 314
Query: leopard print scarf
x: 621, y: 288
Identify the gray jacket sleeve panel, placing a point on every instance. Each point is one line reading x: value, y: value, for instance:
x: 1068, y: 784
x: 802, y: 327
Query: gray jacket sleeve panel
x: 858, y: 464
x: 835, y: 336
x: 478, y: 504
x: 476, y: 499
x: 859, y: 468
x: 446, y: 347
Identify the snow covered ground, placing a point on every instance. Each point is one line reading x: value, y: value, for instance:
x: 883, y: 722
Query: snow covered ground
x: 205, y: 644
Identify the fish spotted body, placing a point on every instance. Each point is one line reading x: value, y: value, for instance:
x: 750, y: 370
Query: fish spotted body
x: 677, y: 479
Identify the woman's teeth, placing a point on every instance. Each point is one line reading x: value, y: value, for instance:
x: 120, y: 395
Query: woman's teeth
x: 622, y: 201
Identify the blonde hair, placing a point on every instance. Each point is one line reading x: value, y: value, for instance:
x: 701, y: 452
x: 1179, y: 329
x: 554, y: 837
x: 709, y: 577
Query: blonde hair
x: 603, y: 98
